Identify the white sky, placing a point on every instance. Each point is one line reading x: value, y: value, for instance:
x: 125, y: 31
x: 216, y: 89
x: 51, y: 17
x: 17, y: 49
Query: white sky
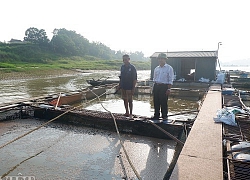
x: 138, y: 25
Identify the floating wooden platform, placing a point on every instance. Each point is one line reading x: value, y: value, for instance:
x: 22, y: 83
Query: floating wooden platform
x: 103, y: 120
x: 240, y: 82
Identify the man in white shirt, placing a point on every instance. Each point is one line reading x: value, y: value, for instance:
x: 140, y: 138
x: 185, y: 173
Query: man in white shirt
x: 163, y: 81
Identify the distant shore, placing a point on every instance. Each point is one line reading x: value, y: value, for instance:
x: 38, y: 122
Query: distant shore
x: 235, y: 68
x: 26, y: 70
x: 36, y: 74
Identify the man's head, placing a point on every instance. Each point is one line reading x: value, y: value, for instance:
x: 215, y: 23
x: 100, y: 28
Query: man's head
x: 162, y: 59
x: 126, y: 59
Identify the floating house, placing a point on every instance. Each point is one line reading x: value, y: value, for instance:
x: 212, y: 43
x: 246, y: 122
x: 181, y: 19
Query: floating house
x: 190, y: 65
x: 15, y: 41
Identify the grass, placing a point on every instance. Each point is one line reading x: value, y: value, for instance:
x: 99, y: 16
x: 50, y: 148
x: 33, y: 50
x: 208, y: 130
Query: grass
x: 9, y: 70
x: 72, y: 64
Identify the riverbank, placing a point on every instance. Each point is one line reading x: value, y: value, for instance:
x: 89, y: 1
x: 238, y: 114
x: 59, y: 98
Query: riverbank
x: 37, y: 73
x: 24, y: 70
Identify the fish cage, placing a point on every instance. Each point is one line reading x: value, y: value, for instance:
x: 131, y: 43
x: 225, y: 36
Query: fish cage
x: 237, y: 149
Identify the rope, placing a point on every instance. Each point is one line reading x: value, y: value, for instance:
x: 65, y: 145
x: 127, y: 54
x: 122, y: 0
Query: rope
x: 164, y: 131
x: 118, y: 133
x: 14, y: 167
x: 186, y: 112
x: 185, y: 130
x: 167, y: 133
x: 58, y: 101
x: 19, y: 137
x: 242, y: 103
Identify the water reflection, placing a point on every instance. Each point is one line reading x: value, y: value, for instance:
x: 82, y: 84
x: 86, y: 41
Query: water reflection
x: 143, y: 106
x: 12, y: 90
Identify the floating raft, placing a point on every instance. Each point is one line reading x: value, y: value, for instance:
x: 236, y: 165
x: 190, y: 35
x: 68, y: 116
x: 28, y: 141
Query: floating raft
x: 102, y: 82
x: 103, y: 120
x: 237, y: 141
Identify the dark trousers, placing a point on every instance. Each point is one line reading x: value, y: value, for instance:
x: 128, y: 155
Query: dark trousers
x: 160, y: 100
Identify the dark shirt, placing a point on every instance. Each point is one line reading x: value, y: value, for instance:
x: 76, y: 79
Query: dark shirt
x: 128, y: 76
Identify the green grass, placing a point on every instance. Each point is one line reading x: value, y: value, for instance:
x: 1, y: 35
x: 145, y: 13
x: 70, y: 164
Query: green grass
x: 70, y: 63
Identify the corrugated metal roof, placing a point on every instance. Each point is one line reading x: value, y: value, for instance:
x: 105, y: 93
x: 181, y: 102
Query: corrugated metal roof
x: 187, y: 54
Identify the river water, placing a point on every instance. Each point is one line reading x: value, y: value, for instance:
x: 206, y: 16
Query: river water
x: 21, y: 89
x: 59, y: 151
x: 17, y: 89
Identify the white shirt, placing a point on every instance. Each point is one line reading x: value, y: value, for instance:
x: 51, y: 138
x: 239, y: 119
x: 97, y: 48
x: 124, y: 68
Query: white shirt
x: 164, y: 74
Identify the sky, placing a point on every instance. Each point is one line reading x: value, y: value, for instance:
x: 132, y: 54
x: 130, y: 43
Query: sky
x: 138, y: 25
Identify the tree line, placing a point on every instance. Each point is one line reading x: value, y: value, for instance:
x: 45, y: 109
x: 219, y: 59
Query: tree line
x: 64, y: 43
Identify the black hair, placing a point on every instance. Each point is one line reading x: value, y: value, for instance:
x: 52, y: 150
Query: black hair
x: 125, y: 55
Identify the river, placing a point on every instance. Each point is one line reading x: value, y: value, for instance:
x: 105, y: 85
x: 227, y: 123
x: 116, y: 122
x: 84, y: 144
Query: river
x: 17, y: 89
x: 21, y: 89
x: 235, y: 68
x: 60, y: 151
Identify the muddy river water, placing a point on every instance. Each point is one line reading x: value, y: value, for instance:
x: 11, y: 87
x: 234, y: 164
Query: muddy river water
x: 60, y: 151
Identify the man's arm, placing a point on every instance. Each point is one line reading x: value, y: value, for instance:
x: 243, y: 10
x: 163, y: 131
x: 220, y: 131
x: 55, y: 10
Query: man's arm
x: 120, y: 78
x: 134, y: 79
x: 171, y: 73
x: 134, y: 83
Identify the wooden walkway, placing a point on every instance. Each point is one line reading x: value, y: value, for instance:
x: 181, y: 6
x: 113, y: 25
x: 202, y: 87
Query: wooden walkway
x: 201, y: 156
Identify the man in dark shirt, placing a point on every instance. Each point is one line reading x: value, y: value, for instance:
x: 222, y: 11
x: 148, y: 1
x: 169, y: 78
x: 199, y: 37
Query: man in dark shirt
x: 128, y: 79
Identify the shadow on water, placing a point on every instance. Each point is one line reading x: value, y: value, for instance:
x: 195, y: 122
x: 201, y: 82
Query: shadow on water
x: 62, y: 151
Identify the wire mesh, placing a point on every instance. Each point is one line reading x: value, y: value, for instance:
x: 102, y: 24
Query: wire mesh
x: 237, y: 169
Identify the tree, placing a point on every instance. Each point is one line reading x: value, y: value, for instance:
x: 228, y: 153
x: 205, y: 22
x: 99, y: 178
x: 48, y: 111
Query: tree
x: 100, y: 50
x: 36, y: 36
x: 118, y: 54
x: 137, y: 56
x: 69, y: 43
